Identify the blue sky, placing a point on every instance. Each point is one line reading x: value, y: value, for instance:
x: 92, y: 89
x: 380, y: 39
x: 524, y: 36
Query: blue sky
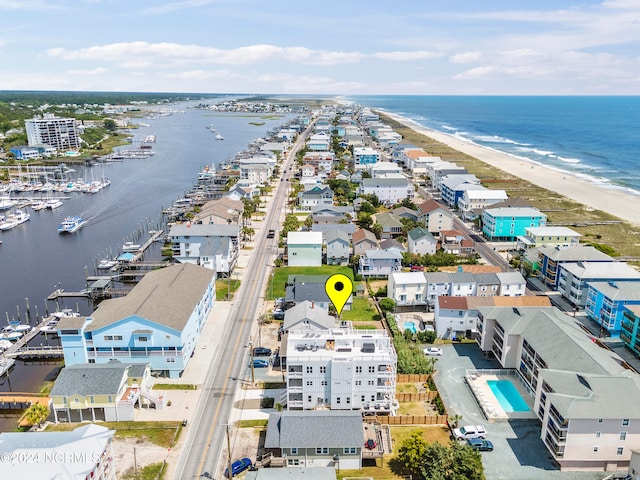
x: 489, y: 47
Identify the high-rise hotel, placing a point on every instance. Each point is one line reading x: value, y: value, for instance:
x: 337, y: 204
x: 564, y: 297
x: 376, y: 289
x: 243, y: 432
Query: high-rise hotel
x: 61, y: 133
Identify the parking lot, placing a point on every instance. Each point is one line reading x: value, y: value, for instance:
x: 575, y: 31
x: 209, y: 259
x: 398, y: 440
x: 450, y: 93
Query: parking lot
x: 519, y: 453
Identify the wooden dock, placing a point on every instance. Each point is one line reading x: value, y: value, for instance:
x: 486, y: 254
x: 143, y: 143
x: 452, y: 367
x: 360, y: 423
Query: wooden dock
x: 121, y: 272
x: 30, y: 353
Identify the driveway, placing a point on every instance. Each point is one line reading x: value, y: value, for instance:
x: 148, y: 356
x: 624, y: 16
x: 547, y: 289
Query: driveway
x: 518, y: 450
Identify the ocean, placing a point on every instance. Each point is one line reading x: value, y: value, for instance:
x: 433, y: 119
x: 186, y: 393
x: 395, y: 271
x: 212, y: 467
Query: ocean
x: 595, y: 138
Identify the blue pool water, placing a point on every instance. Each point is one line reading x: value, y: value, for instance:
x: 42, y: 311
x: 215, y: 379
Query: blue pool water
x: 508, y: 396
x: 410, y: 326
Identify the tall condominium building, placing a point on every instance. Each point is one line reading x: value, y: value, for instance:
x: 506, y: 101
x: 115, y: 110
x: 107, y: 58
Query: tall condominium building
x: 342, y: 369
x: 61, y: 133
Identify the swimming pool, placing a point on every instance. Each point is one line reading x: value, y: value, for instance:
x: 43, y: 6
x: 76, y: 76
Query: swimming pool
x: 410, y: 326
x: 508, y: 396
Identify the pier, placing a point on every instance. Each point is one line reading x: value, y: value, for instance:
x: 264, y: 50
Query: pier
x: 100, y: 286
x: 31, y: 353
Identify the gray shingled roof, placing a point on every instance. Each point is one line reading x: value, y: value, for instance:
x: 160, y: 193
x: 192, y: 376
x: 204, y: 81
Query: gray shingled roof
x: 419, y: 232
x: 90, y: 379
x: 166, y: 296
x: 318, y: 318
x: 317, y: 428
x: 593, y: 396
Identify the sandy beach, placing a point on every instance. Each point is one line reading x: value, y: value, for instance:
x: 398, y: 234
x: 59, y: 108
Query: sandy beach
x: 615, y: 202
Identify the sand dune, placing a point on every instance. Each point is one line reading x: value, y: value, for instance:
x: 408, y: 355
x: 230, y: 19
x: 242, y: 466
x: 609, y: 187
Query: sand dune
x: 615, y: 202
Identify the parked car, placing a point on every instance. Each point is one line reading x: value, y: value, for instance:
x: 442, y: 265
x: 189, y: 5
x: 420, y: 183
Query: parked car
x: 279, y: 302
x: 480, y: 444
x: 433, y: 351
x: 238, y: 467
x: 271, y: 234
x: 278, y: 314
x: 260, y: 363
x: 370, y: 444
x: 469, y: 431
x: 261, y: 352
x: 416, y: 268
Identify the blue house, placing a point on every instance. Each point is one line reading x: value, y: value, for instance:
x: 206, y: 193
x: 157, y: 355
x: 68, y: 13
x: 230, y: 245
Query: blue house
x: 158, y: 322
x: 630, y: 333
x: 606, y: 302
x: 551, y: 258
x: 507, y: 223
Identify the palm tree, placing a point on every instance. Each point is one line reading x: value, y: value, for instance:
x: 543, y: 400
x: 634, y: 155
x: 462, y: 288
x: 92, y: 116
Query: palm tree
x: 36, y: 414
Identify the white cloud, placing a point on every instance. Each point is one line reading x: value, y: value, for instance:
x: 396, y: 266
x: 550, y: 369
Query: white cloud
x: 466, y: 57
x: 95, y: 71
x: 406, y: 56
x: 152, y: 53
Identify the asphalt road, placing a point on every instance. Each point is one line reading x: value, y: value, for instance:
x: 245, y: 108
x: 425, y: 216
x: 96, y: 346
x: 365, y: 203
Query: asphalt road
x: 201, y: 457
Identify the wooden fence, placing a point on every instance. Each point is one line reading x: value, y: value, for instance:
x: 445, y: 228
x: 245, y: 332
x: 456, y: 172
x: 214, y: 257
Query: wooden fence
x: 414, y: 420
x: 416, y: 397
x: 412, y: 377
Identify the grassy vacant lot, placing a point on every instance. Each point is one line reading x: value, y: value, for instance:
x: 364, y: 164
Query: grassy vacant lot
x: 622, y: 237
x: 222, y: 288
x: 362, y: 310
x: 382, y: 470
x: 164, y: 434
x: 275, y: 288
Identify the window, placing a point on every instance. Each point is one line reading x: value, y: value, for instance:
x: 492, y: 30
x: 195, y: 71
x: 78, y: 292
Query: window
x: 323, y: 369
x: 294, y: 451
x: 309, y: 399
x: 600, y: 420
x: 309, y: 369
x: 108, y: 337
x: 623, y: 435
x: 598, y: 434
x: 171, y: 360
x: 358, y: 382
x: 348, y: 400
x: 323, y: 383
x: 338, y: 400
x: 322, y: 450
x: 358, y: 369
x: 117, y: 337
x: 362, y: 398
x: 349, y: 450
x: 294, y: 462
x: 595, y: 449
x: 620, y: 450
x: 309, y: 383
x: 625, y: 422
x: 372, y: 369
x: 370, y: 382
x: 143, y: 339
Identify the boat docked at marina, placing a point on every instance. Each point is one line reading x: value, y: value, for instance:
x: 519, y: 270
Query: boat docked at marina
x: 53, y: 203
x: 130, y: 247
x: 107, y: 263
x: 71, y: 224
x: 37, y: 206
x: 6, y: 203
x: 15, y: 219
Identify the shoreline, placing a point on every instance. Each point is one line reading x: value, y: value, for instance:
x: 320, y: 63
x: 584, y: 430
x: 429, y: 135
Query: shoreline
x: 614, y: 202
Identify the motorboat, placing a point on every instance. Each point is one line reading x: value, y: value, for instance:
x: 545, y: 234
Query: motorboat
x: 107, y: 263
x: 71, y: 224
x: 39, y: 206
x: 219, y: 136
x: 53, y: 203
x: 131, y: 247
x: 15, y: 219
x: 65, y: 313
x: 6, y: 203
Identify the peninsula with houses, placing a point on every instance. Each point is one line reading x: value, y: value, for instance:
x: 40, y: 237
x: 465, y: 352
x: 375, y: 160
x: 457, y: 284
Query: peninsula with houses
x: 471, y: 306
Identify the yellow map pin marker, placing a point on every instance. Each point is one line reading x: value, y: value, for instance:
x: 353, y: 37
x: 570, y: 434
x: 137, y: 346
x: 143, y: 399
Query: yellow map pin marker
x: 338, y: 288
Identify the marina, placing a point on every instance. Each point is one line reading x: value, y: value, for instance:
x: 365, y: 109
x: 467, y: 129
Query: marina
x: 127, y: 211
